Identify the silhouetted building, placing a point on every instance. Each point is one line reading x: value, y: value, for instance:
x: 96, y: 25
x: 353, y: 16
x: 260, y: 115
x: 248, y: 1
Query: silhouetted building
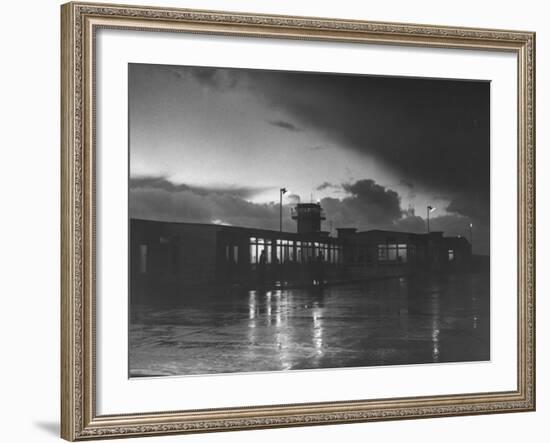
x: 166, y: 257
x: 308, y: 217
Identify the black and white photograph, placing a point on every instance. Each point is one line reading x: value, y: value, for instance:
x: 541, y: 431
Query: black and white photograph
x: 283, y: 221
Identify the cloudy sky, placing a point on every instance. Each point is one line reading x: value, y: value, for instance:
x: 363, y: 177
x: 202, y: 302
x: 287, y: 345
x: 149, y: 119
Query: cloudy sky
x: 214, y: 145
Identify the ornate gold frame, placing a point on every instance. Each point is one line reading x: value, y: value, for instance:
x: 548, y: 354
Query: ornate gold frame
x: 79, y: 420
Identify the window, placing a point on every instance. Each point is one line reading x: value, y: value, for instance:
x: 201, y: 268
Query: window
x: 382, y: 252
x: 338, y: 257
x: 451, y: 255
x: 393, y: 252
x: 324, y: 252
x: 143, y: 259
x: 257, y: 246
x: 232, y: 253
x: 267, y: 249
x: 288, y: 250
x: 334, y: 254
x: 253, y: 252
x: 402, y: 253
x: 284, y: 250
x: 308, y: 251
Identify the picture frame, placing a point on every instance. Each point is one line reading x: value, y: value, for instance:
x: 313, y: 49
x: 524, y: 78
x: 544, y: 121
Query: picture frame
x: 80, y: 242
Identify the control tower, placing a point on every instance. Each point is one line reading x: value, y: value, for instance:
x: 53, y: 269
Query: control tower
x: 308, y: 217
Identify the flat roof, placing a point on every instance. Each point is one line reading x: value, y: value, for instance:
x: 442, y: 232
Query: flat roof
x: 320, y: 234
x: 286, y: 233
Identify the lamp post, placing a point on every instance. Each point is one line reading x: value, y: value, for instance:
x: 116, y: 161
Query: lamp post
x: 428, y: 210
x: 282, y: 191
x: 471, y: 237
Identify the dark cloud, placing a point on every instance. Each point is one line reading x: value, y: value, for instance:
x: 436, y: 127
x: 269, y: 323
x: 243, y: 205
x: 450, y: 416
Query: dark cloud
x: 166, y: 185
x: 472, y: 204
x: 175, y: 72
x: 411, y: 190
x: 207, y: 76
x: 431, y: 132
x: 216, y: 78
x: 371, y: 206
x: 285, y: 125
x: 326, y: 185
x: 156, y: 198
x: 367, y: 206
x: 211, y: 77
x: 381, y: 204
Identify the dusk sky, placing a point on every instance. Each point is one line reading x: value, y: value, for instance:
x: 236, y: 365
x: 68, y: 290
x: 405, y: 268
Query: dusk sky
x: 213, y: 145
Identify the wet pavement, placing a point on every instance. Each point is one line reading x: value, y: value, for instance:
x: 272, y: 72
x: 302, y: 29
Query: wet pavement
x: 420, y: 319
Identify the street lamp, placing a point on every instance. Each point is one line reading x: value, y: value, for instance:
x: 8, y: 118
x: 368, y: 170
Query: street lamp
x: 282, y: 191
x: 428, y: 210
x: 471, y: 236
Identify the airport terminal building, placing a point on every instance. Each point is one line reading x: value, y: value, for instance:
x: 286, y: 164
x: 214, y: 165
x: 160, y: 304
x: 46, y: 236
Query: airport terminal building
x: 170, y: 256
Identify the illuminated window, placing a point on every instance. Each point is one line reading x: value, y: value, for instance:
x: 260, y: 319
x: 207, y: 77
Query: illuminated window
x: 402, y: 253
x: 257, y: 245
x: 288, y: 250
x: 451, y: 255
x: 309, y: 251
x: 335, y: 254
x: 236, y: 254
x: 284, y: 250
x: 267, y: 250
x: 253, y: 251
x: 324, y: 252
x: 279, y: 251
x: 392, y: 252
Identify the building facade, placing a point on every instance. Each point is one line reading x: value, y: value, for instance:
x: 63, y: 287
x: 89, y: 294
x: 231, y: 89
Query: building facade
x: 167, y: 257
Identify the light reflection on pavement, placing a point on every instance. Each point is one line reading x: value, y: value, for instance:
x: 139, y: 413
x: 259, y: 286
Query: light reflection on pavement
x: 441, y: 318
